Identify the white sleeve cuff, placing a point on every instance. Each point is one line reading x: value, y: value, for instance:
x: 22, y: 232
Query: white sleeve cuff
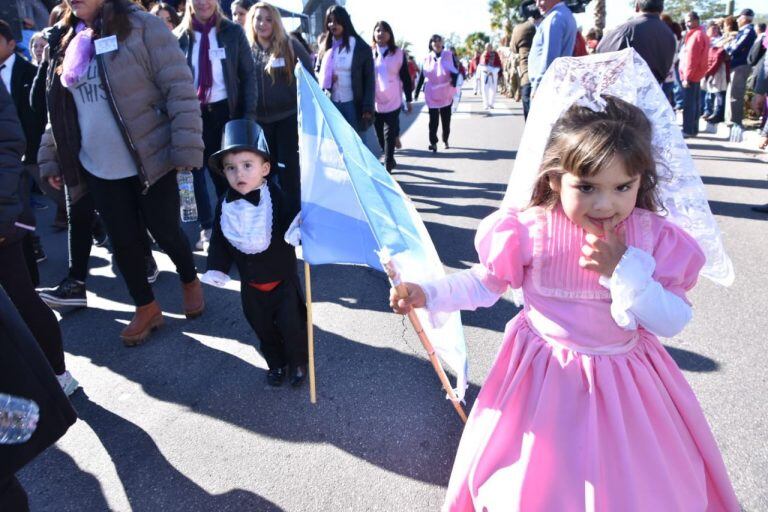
x: 293, y: 233
x: 215, y: 278
x: 636, y: 298
x: 460, y: 290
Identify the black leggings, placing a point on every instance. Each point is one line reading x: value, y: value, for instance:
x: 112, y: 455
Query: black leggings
x: 82, y: 217
x: 127, y: 212
x: 279, y: 318
x: 436, y: 116
x: 13, y: 497
x: 14, y: 278
x: 387, y: 127
x: 283, y: 140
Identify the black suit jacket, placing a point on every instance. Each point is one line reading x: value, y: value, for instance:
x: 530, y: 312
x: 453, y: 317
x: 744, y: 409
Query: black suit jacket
x: 32, y: 121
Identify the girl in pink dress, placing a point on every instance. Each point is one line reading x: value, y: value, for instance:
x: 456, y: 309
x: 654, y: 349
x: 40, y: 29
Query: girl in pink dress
x: 583, y: 408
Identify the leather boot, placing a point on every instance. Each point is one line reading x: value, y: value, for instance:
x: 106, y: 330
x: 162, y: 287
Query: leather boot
x: 145, y: 320
x: 194, y: 304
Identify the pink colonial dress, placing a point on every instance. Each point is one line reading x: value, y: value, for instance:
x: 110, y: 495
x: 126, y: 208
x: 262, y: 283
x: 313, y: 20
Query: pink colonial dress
x: 577, y: 412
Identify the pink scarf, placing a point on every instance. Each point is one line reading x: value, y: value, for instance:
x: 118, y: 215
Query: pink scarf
x: 326, y: 67
x: 77, y: 56
x: 204, y: 66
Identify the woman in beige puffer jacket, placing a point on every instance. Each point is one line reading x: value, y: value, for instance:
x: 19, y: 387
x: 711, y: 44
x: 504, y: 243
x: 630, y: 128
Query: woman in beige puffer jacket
x: 123, y: 118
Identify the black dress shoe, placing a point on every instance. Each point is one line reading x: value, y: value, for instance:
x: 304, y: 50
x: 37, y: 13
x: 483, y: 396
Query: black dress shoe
x: 298, y: 375
x: 761, y: 209
x: 433, y: 148
x: 275, y: 377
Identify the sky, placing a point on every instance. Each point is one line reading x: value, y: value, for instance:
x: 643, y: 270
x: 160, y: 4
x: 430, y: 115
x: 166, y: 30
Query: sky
x: 417, y: 20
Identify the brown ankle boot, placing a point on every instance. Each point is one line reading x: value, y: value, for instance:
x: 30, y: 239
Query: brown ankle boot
x: 194, y: 304
x: 145, y: 320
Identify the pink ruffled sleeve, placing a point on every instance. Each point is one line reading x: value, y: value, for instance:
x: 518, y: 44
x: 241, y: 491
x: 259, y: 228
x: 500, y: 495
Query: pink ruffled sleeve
x: 503, y: 249
x: 679, y: 259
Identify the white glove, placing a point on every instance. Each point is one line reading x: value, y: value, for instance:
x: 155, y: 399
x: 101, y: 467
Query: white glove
x: 215, y: 278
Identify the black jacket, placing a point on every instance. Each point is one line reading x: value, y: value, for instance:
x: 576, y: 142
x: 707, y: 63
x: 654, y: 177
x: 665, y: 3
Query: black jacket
x: 239, y: 75
x: 277, y: 263
x: 650, y: 37
x: 32, y: 121
x: 277, y: 99
x: 12, y: 145
x: 363, y: 81
x: 25, y: 372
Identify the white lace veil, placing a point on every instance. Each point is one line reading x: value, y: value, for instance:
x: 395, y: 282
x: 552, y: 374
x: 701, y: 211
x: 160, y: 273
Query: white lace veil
x: 623, y: 74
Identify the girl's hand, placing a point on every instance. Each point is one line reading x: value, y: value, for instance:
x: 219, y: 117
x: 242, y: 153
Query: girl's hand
x: 415, y: 299
x: 600, y: 255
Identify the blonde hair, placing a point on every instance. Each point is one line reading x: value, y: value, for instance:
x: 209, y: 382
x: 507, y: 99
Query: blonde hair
x: 186, y: 22
x: 583, y: 142
x: 279, y: 45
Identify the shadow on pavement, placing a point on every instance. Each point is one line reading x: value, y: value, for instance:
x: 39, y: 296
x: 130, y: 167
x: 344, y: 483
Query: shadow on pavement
x: 150, y: 482
x: 691, y: 361
x: 735, y: 182
x: 738, y: 210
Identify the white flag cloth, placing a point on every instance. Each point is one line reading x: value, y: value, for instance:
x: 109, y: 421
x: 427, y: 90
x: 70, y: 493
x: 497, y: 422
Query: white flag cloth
x: 352, y: 211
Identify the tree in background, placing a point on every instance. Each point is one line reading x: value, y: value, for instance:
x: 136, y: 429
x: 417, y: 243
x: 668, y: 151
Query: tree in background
x: 404, y: 45
x: 476, y: 42
x: 504, y: 15
x: 707, y: 9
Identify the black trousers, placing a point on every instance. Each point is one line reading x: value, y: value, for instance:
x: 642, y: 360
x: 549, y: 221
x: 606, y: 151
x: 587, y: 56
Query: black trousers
x: 215, y: 116
x: 283, y: 140
x: 387, y: 126
x: 15, y: 279
x: 127, y: 213
x: 13, y: 497
x: 81, y: 216
x: 279, y: 319
x: 525, y: 93
x: 436, y: 116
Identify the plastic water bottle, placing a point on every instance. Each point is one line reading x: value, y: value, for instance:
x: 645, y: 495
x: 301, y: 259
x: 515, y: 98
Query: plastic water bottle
x: 187, y: 196
x: 18, y: 419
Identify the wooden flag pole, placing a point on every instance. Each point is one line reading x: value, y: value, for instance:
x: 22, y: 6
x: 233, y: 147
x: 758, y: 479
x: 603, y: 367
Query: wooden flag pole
x: 310, y: 336
x: 402, y: 293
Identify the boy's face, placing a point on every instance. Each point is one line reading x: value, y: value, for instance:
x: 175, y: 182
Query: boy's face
x: 245, y: 170
x: 6, y: 48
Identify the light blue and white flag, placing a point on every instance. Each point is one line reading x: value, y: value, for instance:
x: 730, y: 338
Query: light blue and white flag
x: 352, y: 210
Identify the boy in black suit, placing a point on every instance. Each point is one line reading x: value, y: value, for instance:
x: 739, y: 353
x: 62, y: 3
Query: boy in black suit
x: 250, y: 230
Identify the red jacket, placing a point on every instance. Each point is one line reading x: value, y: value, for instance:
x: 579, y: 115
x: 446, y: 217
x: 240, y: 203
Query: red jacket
x: 693, y: 64
x: 717, y: 57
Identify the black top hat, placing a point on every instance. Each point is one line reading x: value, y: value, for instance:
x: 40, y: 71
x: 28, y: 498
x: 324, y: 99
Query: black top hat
x: 239, y: 135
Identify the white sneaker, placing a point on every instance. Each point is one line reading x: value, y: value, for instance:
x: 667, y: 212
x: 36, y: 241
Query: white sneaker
x: 205, y: 239
x: 67, y: 382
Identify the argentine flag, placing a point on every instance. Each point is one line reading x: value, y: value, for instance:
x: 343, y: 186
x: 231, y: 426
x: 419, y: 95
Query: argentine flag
x: 352, y: 211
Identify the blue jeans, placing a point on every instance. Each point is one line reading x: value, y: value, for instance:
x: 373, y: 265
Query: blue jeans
x: 691, y: 108
x: 678, y: 90
x: 349, y: 112
x: 669, y: 92
x: 714, y: 105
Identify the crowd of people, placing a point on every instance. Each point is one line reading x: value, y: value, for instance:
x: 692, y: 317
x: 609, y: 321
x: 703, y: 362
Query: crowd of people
x: 710, y: 69
x: 106, y: 102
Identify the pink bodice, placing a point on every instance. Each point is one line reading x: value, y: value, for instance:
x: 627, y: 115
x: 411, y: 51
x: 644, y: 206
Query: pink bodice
x: 438, y: 91
x: 538, y: 250
x: 389, y: 87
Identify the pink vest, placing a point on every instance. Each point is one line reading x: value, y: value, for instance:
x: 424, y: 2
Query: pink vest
x: 389, y: 88
x: 438, y: 91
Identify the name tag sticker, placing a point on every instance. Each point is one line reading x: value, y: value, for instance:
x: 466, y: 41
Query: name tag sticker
x: 217, y: 54
x: 105, y: 45
x: 278, y: 63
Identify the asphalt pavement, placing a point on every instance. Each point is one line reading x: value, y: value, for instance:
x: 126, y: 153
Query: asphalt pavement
x: 187, y: 422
